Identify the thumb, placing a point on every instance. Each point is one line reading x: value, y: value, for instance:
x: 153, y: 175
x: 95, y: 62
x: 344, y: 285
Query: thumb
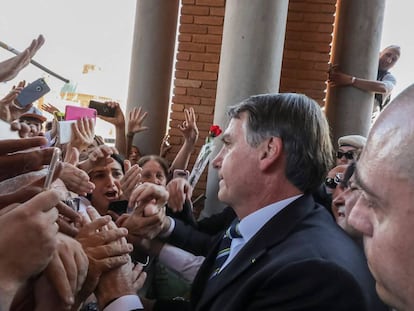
x: 73, y: 156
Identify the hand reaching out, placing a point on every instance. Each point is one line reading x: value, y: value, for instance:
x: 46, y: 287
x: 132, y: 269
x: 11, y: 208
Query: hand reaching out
x: 83, y: 132
x: 135, y: 121
x: 12, y: 66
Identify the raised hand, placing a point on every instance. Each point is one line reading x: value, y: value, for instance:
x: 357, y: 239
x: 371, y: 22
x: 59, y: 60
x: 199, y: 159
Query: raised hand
x: 83, y: 132
x: 130, y: 180
x: 136, y: 120
x: 118, y: 120
x: 189, y: 127
x: 12, y: 66
x: 48, y: 107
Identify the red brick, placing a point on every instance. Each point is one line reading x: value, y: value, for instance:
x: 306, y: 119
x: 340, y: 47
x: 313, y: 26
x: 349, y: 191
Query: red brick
x: 212, y: 39
x: 307, y: 46
x: 187, y: 83
x: 208, y: 102
x: 217, y: 11
x: 192, y: 29
x: 198, y: 75
x: 209, y: 93
x: 301, y: 26
x: 191, y: 47
x: 205, y: 118
x: 319, y: 18
x: 186, y: 19
x: 213, y: 48
x: 297, y: 17
x: 183, y: 56
x: 184, y: 37
x: 208, y: 20
x: 180, y: 91
x: 215, y: 30
x: 311, y: 7
x: 209, y: 85
x: 205, y: 57
x: 176, y: 115
x: 211, y: 67
x: 190, y: 100
x: 204, y: 110
x: 184, y: 65
x: 177, y: 107
x: 181, y: 74
x: 314, y: 56
x: 317, y: 37
x: 195, y: 10
x: 188, y: 1
x: 325, y: 28
x: 210, y: 2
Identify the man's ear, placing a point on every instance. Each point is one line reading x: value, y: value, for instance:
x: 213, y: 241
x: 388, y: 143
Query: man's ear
x: 271, y: 152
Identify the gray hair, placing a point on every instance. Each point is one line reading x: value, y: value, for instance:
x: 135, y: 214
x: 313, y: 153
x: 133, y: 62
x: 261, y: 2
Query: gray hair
x: 302, y: 127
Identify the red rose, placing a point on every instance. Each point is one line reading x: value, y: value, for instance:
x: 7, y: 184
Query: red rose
x: 215, y: 130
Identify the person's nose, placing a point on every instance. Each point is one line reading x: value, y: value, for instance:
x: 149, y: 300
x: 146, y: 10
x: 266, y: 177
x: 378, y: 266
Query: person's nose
x: 359, y: 219
x: 218, y: 159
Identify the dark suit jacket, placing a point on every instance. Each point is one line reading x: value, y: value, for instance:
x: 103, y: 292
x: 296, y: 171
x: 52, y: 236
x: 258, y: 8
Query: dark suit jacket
x: 199, y: 238
x: 300, y: 260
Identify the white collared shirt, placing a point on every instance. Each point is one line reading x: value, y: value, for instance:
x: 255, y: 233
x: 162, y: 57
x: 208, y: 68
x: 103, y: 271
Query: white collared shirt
x: 252, y: 223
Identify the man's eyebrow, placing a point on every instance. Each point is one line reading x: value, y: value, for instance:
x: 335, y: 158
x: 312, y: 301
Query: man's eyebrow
x: 361, y: 184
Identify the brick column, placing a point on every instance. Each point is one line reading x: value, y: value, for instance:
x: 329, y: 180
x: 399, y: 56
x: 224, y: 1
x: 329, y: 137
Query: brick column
x: 151, y: 67
x: 356, y: 45
x: 251, y: 58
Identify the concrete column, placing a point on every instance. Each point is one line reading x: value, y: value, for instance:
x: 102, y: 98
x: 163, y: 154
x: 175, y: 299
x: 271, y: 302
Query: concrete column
x: 151, y: 67
x: 356, y: 45
x: 251, y: 60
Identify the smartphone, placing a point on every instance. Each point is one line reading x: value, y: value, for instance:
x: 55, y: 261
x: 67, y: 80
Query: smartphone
x: 119, y: 207
x: 52, y: 167
x: 64, y: 131
x: 32, y: 92
x: 102, y: 108
x: 181, y: 173
x: 76, y: 113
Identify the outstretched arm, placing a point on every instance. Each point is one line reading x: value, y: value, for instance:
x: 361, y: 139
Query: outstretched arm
x: 189, y: 130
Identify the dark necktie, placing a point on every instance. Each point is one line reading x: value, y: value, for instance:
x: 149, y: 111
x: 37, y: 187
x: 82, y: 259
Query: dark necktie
x: 224, y: 249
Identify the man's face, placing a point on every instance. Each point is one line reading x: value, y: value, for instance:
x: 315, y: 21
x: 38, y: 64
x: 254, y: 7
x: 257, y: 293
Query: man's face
x: 384, y: 213
x: 345, y: 155
x: 237, y: 164
x: 388, y: 58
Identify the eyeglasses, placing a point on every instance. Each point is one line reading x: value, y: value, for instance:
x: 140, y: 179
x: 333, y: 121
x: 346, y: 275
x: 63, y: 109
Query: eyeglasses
x: 333, y: 182
x: 349, y: 155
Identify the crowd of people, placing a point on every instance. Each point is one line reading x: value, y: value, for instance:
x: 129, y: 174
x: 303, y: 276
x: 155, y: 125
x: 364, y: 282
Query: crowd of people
x: 86, y: 226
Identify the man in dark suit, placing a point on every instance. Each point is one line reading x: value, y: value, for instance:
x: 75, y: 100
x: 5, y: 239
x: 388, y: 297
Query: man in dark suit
x: 287, y: 253
x: 284, y: 251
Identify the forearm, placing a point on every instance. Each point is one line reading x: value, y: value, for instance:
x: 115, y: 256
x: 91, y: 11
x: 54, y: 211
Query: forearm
x: 182, y: 158
x: 370, y: 86
x: 120, y: 140
x: 129, y: 139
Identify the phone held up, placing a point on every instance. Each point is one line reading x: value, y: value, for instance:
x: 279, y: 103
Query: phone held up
x: 118, y: 207
x: 52, y: 168
x: 76, y: 113
x: 102, y: 108
x: 32, y: 92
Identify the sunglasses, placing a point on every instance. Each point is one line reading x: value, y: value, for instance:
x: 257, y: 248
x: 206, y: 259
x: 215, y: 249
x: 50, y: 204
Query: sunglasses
x: 349, y: 155
x: 333, y: 182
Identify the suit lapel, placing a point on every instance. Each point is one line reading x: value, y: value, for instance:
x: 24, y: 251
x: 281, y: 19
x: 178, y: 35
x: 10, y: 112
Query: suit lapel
x: 273, y: 232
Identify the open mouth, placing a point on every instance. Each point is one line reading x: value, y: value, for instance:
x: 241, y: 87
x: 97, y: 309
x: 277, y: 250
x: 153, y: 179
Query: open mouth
x: 111, y: 195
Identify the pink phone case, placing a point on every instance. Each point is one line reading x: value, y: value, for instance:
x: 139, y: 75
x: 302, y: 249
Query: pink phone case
x: 76, y: 113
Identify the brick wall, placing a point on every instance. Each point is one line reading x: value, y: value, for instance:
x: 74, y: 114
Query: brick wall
x: 307, y: 46
x: 305, y: 60
x: 196, y: 71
